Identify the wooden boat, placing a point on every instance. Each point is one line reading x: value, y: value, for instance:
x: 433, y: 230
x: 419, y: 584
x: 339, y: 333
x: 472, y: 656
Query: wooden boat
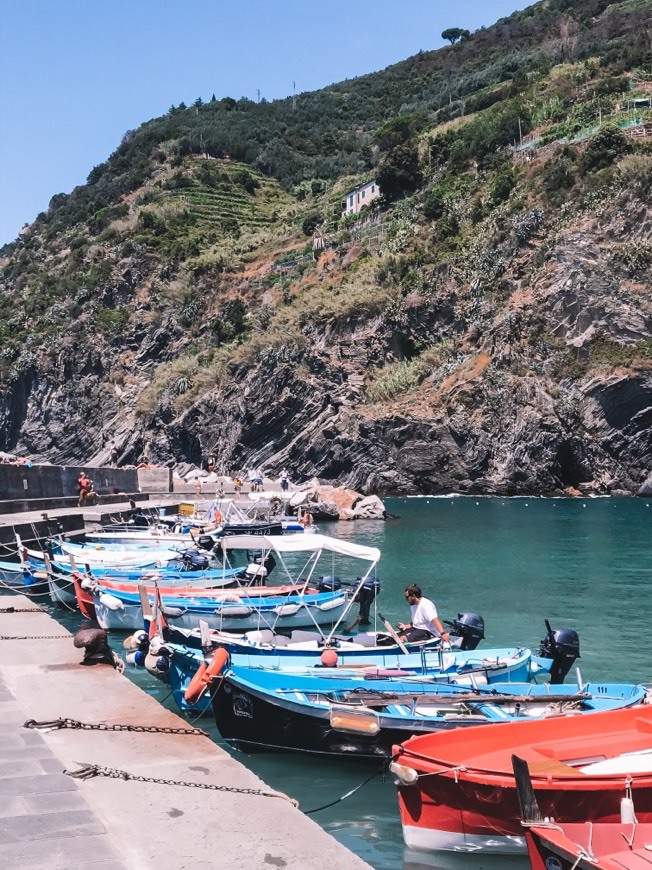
x: 466, y: 632
x: 622, y: 844
x: 61, y: 579
x: 469, y: 669
x: 457, y: 789
x: 97, y: 557
x: 353, y: 714
x: 291, y: 607
x: 591, y: 846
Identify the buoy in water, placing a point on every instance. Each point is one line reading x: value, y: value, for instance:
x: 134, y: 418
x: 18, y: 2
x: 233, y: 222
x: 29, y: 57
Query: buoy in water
x: 329, y: 658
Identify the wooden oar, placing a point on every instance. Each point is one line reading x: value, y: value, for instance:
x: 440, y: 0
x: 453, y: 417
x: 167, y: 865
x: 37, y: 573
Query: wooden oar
x: 392, y: 633
x: 425, y: 699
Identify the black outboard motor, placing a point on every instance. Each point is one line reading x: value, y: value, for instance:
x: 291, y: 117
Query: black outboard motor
x: 195, y: 561
x: 366, y: 594
x: 563, y: 646
x: 206, y: 542
x: 140, y: 520
x: 270, y: 563
x: 327, y: 583
x: 469, y: 627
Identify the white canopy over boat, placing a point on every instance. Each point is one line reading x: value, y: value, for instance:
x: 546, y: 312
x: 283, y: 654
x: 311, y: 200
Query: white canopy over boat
x: 300, y: 544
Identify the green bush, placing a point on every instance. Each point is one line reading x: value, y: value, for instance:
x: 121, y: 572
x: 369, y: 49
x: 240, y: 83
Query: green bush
x: 604, y: 149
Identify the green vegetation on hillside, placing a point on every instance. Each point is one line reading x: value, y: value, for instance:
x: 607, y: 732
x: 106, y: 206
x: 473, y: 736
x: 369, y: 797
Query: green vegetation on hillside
x: 191, y: 243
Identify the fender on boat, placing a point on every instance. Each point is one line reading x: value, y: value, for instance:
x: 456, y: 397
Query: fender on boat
x: 332, y: 604
x: 235, y: 612
x: 204, y: 674
x: 287, y: 609
x: 111, y: 601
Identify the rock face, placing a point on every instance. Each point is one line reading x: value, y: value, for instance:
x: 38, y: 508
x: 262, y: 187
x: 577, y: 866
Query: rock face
x: 534, y: 393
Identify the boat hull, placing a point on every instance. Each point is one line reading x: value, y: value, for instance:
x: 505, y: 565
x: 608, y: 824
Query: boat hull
x: 465, y: 798
x: 130, y: 617
x: 249, y: 722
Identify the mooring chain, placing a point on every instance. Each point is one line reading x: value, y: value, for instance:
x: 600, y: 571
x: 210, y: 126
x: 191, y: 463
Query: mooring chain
x: 88, y: 771
x: 57, y: 724
x: 21, y: 610
x: 35, y: 636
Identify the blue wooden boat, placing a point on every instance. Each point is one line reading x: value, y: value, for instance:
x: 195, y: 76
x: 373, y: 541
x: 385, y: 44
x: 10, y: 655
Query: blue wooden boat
x: 294, y: 607
x: 352, y: 717
x: 466, y: 668
x: 21, y: 575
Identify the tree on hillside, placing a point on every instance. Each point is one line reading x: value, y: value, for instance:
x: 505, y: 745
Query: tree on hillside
x: 455, y: 33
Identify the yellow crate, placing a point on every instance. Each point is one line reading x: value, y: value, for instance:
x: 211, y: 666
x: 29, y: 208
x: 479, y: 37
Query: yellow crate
x: 186, y: 509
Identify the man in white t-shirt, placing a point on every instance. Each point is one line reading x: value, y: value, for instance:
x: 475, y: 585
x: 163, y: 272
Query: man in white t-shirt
x: 425, y: 622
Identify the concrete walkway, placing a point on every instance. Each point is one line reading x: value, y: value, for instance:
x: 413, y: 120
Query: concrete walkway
x: 48, y: 820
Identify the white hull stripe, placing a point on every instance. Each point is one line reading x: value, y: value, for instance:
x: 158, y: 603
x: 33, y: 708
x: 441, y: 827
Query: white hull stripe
x: 452, y: 841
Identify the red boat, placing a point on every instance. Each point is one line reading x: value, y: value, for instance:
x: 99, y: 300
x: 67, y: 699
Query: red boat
x: 622, y: 845
x: 589, y: 846
x: 457, y: 789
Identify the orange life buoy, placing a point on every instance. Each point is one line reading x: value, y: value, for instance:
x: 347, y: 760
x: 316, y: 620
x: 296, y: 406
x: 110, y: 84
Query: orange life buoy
x: 205, y: 673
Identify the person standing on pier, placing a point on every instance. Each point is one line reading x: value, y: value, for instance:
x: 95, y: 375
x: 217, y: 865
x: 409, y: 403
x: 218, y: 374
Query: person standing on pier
x: 285, y: 480
x: 85, y: 487
x: 425, y: 622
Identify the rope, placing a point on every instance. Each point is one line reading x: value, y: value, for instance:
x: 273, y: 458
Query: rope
x: 348, y: 793
x: 57, y: 724
x: 88, y: 771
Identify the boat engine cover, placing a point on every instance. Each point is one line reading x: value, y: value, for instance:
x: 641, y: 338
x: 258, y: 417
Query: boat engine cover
x: 470, y: 628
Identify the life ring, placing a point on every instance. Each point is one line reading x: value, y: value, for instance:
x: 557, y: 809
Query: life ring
x: 205, y: 673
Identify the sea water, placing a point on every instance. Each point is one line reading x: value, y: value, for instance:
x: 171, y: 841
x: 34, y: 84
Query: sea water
x: 582, y: 563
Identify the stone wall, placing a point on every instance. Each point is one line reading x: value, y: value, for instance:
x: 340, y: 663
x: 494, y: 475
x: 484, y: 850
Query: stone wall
x: 52, y: 481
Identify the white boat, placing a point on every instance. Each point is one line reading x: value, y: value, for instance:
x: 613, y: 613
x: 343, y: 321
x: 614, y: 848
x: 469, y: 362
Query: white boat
x: 307, y: 601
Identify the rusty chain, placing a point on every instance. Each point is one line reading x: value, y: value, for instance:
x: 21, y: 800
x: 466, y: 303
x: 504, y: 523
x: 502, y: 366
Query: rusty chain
x: 57, y: 724
x: 21, y: 610
x: 35, y: 636
x: 88, y: 771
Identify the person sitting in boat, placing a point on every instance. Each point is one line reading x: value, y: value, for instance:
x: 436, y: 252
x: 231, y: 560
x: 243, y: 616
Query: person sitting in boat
x: 425, y: 622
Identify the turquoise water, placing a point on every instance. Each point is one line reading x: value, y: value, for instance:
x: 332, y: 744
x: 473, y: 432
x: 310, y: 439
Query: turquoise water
x: 581, y: 564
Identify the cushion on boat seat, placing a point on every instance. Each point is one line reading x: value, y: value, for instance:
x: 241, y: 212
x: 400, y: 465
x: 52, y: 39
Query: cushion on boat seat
x: 304, y: 636
x: 364, y: 639
x: 281, y: 640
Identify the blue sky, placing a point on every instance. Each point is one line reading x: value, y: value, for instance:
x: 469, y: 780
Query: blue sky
x: 75, y: 75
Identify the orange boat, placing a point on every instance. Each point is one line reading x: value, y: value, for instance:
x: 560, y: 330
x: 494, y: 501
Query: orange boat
x: 457, y: 789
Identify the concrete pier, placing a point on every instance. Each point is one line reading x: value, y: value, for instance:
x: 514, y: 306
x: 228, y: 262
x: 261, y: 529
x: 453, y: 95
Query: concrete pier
x: 49, y: 820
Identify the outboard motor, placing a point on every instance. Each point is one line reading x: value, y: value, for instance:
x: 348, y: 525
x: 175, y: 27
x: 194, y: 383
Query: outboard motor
x: 195, y: 561
x: 258, y: 569
x: 366, y: 594
x: 254, y: 574
x: 563, y: 647
x: 139, y: 519
x: 206, y: 542
x: 328, y: 583
x: 469, y: 627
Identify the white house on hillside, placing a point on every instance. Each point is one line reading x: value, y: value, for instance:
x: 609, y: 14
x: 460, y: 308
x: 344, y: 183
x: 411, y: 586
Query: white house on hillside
x: 363, y: 194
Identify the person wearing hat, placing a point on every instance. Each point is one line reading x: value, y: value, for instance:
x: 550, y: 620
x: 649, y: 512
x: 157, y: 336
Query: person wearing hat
x: 425, y: 622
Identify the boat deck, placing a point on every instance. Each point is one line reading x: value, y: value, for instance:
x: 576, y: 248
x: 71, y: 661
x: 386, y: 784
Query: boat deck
x: 48, y: 819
